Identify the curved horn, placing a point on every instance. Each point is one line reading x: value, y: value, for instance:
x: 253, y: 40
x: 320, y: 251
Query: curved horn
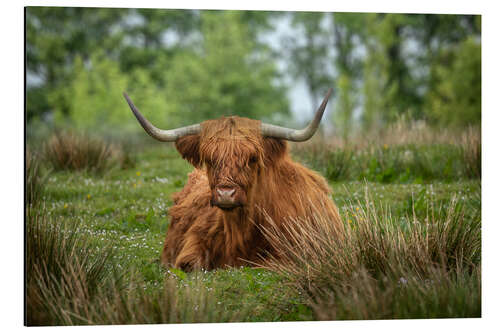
x: 297, y: 135
x: 158, y: 134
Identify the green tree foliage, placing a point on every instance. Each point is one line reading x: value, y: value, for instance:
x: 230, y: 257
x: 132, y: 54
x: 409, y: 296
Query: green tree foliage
x: 400, y: 89
x: 183, y: 66
x: 154, y: 37
x: 94, y: 95
x: 308, y: 53
x: 345, y: 105
x: 348, y: 32
x: 373, y: 77
x: 457, y: 97
x: 178, y: 66
x: 391, y: 65
x: 96, y: 98
x: 55, y: 36
x: 223, y: 76
x: 414, y: 51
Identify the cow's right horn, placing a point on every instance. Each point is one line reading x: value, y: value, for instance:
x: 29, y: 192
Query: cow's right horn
x: 293, y: 134
x: 159, y: 134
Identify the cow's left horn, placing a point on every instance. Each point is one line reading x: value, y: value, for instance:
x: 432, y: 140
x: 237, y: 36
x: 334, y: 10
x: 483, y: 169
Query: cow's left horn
x: 159, y: 134
x: 297, y: 135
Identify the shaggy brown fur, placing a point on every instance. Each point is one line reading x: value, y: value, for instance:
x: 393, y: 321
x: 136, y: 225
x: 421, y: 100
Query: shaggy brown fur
x: 274, y: 189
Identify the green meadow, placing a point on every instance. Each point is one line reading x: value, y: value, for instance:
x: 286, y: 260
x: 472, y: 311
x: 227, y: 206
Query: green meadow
x: 94, y: 238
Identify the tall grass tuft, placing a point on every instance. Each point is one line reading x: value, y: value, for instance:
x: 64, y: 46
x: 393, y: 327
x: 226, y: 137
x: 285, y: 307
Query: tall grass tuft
x: 174, y: 302
x: 71, y: 151
x: 69, y: 282
x: 471, y: 150
x: 385, y: 267
x: 34, y: 180
x: 63, y: 271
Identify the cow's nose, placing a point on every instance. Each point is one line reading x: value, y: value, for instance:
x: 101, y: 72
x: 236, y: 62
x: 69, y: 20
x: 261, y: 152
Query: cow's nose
x: 225, y: 193
x: 226, y: 197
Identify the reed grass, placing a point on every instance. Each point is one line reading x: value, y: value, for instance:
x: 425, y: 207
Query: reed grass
x: 421, y: 267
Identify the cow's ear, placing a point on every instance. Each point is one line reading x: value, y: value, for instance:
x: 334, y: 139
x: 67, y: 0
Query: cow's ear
x: 189, y: 147
x: 274, y: 149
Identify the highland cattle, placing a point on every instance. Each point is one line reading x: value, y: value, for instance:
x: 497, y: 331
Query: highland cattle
x: 243, y: 180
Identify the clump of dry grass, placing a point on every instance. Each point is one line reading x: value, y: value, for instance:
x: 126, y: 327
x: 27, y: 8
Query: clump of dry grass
x: 34, y: 180
x: 69, y: 282
x: 60, y: 265
x: 171, y: 303
x: 72, y: 151
x: 471, y: 150
x: 424, y: 268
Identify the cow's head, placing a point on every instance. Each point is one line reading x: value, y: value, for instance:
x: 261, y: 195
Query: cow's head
x: 232, y: 149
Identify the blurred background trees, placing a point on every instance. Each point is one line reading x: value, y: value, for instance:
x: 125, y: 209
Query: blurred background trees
x: 184, y: 66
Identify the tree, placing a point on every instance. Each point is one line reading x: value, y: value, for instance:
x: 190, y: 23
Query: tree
x: 348, y: 32
x: 373, y: 78
x: 200, y: 64
x: 96, y: 102
x: 154, y: 37
x: 55, y: 36
x: 452, y: 55
x: 308, y: 53
x: 456, y: 100
x: 400, y: 94
x: 224, y: 76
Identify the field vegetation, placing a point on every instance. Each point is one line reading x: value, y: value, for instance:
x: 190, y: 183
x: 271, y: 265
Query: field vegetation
x: 412, y: 247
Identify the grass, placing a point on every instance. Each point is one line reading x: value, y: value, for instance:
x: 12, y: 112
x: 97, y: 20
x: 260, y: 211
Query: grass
x: 63, y: 270
x: 120, y: 216
x: 72, y: 282
x: 387, y: 267
x: 34, y: 178
x: 411, y: 163
x: 74, y: 151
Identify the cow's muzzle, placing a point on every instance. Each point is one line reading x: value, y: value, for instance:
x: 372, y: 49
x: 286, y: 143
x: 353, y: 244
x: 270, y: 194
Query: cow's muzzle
x: 227, y: 198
